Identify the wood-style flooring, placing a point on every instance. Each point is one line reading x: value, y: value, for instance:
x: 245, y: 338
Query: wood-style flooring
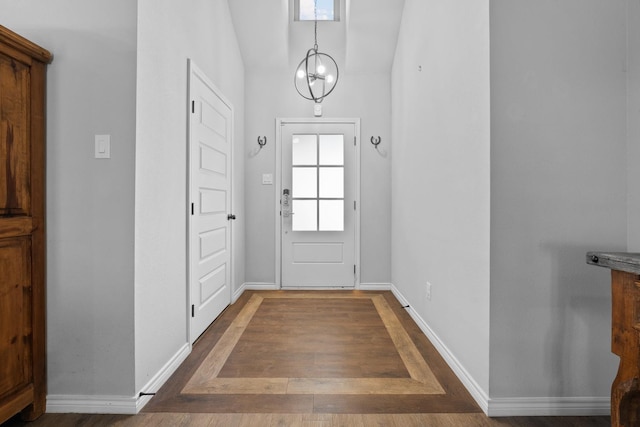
x: 321, y: 359
x: 314, y: 352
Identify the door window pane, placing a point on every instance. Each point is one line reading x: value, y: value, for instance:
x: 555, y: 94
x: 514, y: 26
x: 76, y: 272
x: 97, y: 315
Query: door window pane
x: 304, y: 183
x: 332, y: 183
x: 332, y: 150
x: 304, y: 150
x: 305, y: 215
x: 331, y: 215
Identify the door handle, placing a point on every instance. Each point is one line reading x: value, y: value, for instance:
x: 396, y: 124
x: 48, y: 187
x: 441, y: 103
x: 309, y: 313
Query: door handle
x: 286, y: 203
x: 230, y: 217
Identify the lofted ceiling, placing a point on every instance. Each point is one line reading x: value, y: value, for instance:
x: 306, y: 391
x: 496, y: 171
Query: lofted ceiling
x: 364, y: 40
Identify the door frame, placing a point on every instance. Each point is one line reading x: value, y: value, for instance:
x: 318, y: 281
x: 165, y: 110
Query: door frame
x: 195, y: 72
x: 280, y: 122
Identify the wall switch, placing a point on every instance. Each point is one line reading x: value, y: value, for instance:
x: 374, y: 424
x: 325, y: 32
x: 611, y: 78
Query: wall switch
x: 429, y: 291
x: 103, y: 146
x: 267, y: 179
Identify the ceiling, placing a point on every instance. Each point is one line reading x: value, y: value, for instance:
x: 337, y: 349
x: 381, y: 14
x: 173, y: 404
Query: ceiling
x: 364, y: 39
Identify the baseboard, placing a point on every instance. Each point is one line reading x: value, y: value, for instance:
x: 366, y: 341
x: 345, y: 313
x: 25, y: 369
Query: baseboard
x: 260, y: 286
x: 81, y: 404
x: 238, y: 293
x: 549, y: 406
x: 512, y: 406
x: 478, y: 394
x: 77, y: 404
x: 162, y: 376
x: 375, y: 286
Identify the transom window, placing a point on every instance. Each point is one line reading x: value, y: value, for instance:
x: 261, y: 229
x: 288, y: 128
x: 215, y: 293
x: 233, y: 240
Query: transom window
x: 328, y: 10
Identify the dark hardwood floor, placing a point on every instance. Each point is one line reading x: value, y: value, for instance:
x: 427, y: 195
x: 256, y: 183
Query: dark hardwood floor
x: 322, y: 359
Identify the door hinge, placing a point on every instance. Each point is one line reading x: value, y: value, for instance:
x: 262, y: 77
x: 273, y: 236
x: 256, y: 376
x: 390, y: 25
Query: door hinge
x: 354, y: 269
x: 193, y: 106
x: 193, y: 310
x: 192, y: 209
x: 354, y: 205
x: 354, y: 140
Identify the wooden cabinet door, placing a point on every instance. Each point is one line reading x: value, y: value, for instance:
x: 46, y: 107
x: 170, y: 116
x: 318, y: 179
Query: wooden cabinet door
x: 15, y: 144
x: 15, y: 317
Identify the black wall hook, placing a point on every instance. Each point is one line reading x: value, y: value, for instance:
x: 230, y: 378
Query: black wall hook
x: 262, y: 141
x: 376, y: 142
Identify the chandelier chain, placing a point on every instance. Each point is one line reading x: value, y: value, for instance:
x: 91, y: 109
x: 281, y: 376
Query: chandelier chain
x: 315, y: 29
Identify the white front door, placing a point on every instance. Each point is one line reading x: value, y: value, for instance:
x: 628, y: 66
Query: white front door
x: 210, y: 138
x: 318, y: 204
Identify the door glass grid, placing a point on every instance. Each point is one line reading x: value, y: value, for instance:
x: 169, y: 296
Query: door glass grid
x: 317, y: 187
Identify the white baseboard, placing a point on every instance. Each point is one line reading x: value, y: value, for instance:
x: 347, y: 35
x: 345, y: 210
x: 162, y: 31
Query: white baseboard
x: 478, y: 394
x: 375, y: 286
x: 549, y: 406
x: 512, y: 406
x: 253, y: 286
x: 78, y: 404
x: 238, y: 293
x: 162, y: 376
x: 261, y: 286
x: 82, y: 404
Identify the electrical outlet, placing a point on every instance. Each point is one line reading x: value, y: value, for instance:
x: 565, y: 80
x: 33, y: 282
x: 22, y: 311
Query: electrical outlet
x: 429, y: 291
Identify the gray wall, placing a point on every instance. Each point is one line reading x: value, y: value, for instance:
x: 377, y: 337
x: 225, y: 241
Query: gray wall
x: 558, y: 190
x: 440, y: 174
x: 633, y: 124
x: 91, y: 90
x: 168, y: 34
x: 272, y: 94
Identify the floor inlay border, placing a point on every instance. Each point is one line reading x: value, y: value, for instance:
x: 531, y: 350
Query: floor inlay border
x: 455, y: 399
x: 205, y: 380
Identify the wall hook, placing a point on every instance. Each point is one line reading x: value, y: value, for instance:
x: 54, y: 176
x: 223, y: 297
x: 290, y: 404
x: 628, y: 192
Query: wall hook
x: 376, y: 142
x: 262, y: 141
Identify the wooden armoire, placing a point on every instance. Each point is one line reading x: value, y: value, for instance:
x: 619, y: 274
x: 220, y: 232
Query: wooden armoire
x: 22, y: 226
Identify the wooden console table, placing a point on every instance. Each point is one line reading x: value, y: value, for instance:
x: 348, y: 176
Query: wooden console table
x: 625, y: 333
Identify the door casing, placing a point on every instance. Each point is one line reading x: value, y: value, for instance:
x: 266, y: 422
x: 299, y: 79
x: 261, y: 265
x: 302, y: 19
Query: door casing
x: 280, y: 122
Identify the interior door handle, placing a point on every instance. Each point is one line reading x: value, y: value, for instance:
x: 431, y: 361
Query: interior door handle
x: 231, y: 216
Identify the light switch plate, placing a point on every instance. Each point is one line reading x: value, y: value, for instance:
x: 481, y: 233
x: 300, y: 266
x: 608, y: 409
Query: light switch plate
x: 103, y: 146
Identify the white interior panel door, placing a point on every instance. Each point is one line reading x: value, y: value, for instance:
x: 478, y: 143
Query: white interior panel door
x: 210, y: 138
x: 318, y: 205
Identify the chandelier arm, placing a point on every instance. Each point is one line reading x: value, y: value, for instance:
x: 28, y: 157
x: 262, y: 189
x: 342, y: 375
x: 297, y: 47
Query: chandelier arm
x: 337, y: 75
x: 306, y: 69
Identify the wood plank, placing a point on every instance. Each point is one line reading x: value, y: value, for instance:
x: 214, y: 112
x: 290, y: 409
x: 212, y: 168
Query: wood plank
x: 285, y: 420
x: 412, y: 358
x: 239, y: 386
x: 298, y: 420
x: 362, y: 386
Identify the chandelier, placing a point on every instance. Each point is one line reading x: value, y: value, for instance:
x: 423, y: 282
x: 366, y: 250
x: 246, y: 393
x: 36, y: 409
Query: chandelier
x: 317, y: 73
